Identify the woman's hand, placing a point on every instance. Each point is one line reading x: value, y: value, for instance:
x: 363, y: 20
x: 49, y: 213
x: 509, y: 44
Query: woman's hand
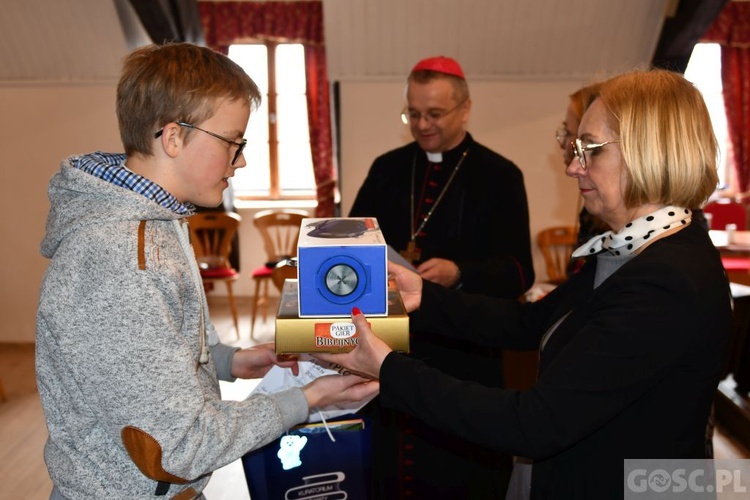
x: 256, y: 361
x: 367, y: 357
x: 409, y: 285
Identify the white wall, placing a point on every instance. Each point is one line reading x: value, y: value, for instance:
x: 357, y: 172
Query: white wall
x: 42, y: 124
x: 39, y: 126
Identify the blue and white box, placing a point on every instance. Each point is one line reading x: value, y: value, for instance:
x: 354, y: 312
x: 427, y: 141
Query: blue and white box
x: 342, y: 262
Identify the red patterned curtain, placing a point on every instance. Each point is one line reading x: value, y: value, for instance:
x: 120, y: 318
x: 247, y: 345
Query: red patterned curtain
x: 226, y: 23
x: 732, y: 31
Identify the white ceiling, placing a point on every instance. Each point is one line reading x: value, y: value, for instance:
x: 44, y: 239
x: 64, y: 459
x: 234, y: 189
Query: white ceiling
x: 60, y: 40
x: 491, y: 38
x: 84, y: 40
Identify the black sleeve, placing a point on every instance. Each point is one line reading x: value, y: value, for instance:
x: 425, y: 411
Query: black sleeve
x: 365, y: 204
x: 623, y: 348
x: 384, y: 194
x: 507, y: 270
x: 481, y: 319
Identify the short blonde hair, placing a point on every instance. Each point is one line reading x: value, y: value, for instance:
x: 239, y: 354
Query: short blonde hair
x: 666, y: 137
x: 175, y: 82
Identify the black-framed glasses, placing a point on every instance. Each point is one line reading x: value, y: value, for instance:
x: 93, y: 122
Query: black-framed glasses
x: 578, y: 149
x: 432, y: 116
x: 240, y: 145
x: 563, y: 135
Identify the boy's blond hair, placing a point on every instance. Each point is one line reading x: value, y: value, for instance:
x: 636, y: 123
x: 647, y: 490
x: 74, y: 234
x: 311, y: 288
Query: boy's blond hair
x: 161, y: 84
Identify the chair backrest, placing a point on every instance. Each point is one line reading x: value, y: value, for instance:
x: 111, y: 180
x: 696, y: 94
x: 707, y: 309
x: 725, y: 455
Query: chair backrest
x: 280, y: 232
x: 556, y: 244
x: 211, y: 234
x: 282, y: 273
x: 725, y: 211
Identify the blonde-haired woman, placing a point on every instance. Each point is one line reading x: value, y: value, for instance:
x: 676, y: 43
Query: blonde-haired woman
x: 632, y: 346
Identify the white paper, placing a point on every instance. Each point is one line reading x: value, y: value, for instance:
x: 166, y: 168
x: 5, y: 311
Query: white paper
x: 399, y: 259
x: 278, y: 379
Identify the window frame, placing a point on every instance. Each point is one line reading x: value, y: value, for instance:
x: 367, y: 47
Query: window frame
x: 700, y: 76
x: 274, y: 191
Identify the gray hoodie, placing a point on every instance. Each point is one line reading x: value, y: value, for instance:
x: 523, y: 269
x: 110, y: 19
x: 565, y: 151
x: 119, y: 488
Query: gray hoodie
x: 121, y: 326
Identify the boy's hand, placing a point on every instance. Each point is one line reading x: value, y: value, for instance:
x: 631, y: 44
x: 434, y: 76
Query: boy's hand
x: 339, y: 389
x: 256, y: 361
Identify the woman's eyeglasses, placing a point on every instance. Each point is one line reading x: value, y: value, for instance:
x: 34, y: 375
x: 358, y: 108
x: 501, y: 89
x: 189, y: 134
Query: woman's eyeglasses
x: 563, y: 136
x: 577, y: 148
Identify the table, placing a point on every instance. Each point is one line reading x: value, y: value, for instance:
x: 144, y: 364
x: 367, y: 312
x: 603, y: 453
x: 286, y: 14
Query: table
x: 732, y: 404
x: 737, y: 243
x: 738, y: 364
x: 731, y: 242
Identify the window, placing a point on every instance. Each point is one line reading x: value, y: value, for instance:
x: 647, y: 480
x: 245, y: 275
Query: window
x: 704, y: 71
x: 279, y: 162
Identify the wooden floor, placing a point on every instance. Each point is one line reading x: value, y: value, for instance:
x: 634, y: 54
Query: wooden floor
x: 23, y: 431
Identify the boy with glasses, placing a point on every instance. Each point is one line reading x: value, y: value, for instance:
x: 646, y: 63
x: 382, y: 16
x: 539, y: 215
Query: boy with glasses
x: 127, y: 361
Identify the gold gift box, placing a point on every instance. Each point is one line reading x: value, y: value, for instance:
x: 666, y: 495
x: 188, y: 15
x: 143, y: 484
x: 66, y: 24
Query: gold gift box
x: 295, y: 335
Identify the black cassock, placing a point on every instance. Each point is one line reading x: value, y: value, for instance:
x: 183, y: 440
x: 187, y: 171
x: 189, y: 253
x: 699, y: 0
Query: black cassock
x: 481, y: 223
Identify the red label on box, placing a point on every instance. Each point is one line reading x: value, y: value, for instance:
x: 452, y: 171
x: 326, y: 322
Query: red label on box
x: 336, y: 335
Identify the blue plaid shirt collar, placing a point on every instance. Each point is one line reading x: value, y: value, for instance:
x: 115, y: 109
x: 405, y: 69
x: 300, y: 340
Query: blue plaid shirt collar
x: 111, y: 167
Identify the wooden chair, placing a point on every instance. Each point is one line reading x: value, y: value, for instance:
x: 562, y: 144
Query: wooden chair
x: 211, y: 235
x: 280, y: 232
x: 556, y: 244
x: 281, y: 273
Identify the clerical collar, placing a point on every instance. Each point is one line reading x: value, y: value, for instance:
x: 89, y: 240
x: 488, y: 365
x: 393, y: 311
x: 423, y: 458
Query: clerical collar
x: 456, y: 152
x: 434, y: 157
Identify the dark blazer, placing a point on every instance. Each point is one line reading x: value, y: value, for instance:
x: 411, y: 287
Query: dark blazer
x: 482, y: 224
x: 629, y: 373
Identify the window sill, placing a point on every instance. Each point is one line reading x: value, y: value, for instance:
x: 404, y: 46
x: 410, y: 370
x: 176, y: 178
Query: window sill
x: 265, y: 204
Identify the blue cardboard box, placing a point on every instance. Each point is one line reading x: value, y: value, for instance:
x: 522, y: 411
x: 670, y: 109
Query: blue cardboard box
x: 342, y: 263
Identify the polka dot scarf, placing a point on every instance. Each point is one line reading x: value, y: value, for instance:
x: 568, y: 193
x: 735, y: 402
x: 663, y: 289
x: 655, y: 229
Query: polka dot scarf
x: 636, y: 233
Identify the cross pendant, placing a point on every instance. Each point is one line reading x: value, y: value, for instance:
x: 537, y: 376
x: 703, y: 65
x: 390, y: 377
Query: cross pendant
x: 411, y: 253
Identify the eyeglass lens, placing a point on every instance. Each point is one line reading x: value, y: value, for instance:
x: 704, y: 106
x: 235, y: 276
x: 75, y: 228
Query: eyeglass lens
x: 240, y: 149
x: 562, y: 135
x: 431, y: 116
x: 240, y: 145
x: 576, y: 150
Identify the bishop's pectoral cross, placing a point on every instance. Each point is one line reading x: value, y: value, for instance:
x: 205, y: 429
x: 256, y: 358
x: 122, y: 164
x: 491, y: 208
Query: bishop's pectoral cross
x: 411, y: 253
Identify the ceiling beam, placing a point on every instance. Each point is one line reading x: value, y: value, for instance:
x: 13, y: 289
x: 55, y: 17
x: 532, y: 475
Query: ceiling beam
x: 170, y: 20
x: 681, y: 32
